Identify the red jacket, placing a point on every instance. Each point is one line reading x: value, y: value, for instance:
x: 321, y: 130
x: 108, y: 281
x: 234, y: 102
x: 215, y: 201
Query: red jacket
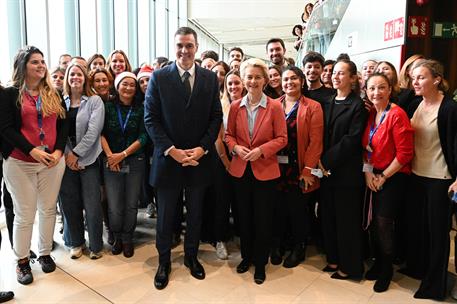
x: 394, y: 138
x: 310, y: 136
x: 269, y: 134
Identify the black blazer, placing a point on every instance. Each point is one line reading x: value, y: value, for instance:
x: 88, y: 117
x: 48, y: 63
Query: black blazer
x: 447, y: 130
x: 11, y: 122
x: 170, y: 120
x: 342, y: 153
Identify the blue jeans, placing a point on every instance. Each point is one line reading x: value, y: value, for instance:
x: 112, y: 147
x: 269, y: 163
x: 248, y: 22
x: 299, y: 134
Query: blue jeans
x: 123, y: 193
x: 80, y: 190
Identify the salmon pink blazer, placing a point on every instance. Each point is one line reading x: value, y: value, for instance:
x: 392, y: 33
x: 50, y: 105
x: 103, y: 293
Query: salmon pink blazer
x: 269, y: 134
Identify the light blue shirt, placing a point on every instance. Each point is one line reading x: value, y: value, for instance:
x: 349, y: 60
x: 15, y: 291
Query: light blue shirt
x: 89, y: 125
x: 252, y: 114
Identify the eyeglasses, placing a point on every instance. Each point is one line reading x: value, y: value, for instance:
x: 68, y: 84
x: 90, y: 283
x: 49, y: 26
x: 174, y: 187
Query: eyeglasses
x: 56, y: 76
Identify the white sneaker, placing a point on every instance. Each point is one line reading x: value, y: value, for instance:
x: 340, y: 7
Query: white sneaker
x: 221, y: 251
x: 95, y: 255
x: 76, y: 252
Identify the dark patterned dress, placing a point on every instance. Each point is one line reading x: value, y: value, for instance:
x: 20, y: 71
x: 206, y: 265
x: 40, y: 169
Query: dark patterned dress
x: 289, y: 172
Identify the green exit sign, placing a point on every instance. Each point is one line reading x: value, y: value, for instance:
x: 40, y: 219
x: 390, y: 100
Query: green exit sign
x: 444, y: 30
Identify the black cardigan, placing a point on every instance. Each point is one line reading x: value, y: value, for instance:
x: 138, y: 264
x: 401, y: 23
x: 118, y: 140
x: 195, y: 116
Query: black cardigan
x: 11, y: 122
x: 447, y: 130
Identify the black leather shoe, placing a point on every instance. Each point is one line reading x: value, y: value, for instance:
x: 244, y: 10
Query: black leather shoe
x: 243, y: 266
x: 161, y: 277
x: 6, y: 296
x: 295, y: 257
x: 259, y: 274
x: 117, y: 247
x: 275, y: 256
x: 128, y: 250
x: 196, y: 269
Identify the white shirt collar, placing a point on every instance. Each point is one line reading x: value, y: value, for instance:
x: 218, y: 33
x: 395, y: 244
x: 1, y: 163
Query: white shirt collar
x: 181, y: 70
x: 263, y: 101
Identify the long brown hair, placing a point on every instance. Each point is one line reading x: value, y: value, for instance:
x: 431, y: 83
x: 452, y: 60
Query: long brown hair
x: 49, y: 96
x: 66, y: 86
x: 128, y: 66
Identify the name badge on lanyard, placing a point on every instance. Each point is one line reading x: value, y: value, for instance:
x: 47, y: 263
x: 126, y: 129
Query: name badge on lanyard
x: 374, y: 129
x: 283, y: 159
x: 38, y: 106
x: 123, y: 124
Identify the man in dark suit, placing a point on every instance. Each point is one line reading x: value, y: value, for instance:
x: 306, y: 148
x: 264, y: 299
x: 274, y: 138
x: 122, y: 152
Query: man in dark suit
x: 183, y: 116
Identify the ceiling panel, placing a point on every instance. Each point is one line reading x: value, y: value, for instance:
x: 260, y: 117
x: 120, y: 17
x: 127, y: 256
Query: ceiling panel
x: 248, y: 24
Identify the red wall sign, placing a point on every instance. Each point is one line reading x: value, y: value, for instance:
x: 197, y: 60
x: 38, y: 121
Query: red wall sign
x: 394, y: 29
x: 418, y: 26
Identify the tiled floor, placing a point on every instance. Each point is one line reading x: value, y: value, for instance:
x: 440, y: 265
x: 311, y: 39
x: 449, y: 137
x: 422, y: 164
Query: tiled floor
x: 115, y: 279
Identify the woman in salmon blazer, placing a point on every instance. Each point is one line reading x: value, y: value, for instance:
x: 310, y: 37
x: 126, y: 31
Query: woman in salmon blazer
x: 256, y: 131
x: 305, y: 128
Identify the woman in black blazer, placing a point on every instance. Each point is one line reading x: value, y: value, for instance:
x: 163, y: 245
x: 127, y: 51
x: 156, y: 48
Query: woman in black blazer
x: 434, y: 168
x: 341, y: 188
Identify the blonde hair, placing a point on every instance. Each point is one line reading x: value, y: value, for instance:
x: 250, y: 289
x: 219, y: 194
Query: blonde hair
x: 254, y: 63
x: 403, y: 78
x: 66, y: 86
x: 51, y: 102
x: 436, y: 69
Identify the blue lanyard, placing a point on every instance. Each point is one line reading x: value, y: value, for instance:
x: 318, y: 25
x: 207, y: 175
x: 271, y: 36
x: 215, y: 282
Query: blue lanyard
x: 373, y: 129
x: 40, y: 118
x: 38, y: 104
x: 292, y: 110
x: 123, y: 124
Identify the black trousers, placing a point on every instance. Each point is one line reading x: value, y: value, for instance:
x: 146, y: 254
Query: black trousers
x: 216, y: 206
x: 168, y: 200
x: 254, y: 199
x: 342, y: 227
x: 429, y: 223
x: 292, y: 207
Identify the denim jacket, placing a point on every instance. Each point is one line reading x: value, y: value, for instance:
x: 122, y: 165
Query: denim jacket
x: 89, y: 125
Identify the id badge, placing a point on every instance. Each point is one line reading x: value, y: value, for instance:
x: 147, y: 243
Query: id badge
x: 367, y: 167
x: 283, y: 159
x: 317, y: 172
x: 125, y: 169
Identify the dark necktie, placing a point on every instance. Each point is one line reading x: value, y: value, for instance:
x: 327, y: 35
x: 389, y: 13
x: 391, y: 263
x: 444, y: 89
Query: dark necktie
x: 186, y: 83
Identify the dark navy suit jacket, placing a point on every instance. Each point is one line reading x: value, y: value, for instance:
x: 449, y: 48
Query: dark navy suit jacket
x: 170, y: 120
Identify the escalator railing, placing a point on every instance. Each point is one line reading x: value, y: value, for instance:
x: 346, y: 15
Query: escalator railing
x: 321, y: 27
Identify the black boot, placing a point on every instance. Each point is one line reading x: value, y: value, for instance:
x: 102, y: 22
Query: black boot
x: 275, y: 256
x: 385, y: 276
x: 295, y: 257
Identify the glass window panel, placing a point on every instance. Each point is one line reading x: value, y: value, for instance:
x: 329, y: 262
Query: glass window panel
x: 37, y: 33
x: 5, y: 64
x: 172, y: 22
x: 121, y: 41
x: 161, y: 27
x: 56, y: 31
x: 88, y: 26
x: 144, y: 31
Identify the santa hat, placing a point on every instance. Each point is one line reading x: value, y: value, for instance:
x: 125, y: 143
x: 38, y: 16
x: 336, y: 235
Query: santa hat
x: 122, y: 76
x: 145, y: 71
